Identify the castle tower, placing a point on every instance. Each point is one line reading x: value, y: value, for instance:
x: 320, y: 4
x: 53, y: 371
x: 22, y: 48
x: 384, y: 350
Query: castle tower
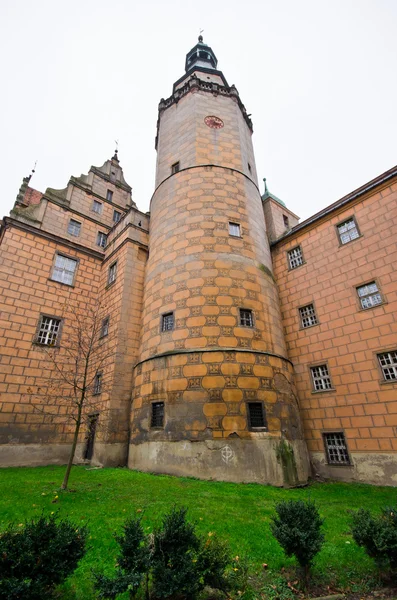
x: 214, y: 395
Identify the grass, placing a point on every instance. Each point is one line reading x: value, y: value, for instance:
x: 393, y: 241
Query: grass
x: 240, y: 513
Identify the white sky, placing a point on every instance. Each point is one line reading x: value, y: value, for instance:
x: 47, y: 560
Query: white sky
x: 318, y: 76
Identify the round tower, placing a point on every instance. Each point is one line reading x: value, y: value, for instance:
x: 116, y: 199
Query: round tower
x: 214, y: 395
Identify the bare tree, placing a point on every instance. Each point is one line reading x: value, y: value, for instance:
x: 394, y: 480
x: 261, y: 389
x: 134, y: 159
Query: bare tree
x: 76, y: 380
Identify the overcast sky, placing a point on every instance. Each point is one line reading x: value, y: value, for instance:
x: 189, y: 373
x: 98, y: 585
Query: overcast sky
x: 318, y: 76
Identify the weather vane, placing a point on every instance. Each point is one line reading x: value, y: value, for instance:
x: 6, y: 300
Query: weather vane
x: 117, y: 145
x: 200, y: 35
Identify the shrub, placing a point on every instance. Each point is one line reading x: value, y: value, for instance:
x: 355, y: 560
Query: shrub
x: 133, y: 563
x: 174, y: 560
x: 38, y: 556
x: 297, y: 528
x: 377, y: 535
x: 212, y: 561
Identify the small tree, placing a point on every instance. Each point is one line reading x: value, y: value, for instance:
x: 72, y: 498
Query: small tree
x: 297, y: 528
x: 76, y: 378
x: 378, y: 536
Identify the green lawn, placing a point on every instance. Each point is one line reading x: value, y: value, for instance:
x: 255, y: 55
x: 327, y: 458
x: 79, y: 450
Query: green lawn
x: 241, y: 513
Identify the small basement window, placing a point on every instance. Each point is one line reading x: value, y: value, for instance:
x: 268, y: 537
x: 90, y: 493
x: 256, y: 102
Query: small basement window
x: 336, y: 448
x: 157, y: 419
x: 256, y: 415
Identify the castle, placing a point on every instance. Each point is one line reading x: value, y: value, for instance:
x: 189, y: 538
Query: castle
x: 244, y: 345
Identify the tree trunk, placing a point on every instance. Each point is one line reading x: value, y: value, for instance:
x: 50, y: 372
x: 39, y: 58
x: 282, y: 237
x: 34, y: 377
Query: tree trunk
x: 73, y: 449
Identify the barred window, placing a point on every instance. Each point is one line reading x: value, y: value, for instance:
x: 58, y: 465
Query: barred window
x: 369, y: 295
x: 64, y: 269
x: 49, y: 331
x: 157, y: 419
x: 388, y: 364
x: 321, y: 378
x: 167, y: 322
x: 235, y: 229
x: 295, y: 257
x: 97, y: 207
x: 116, y: 216
x: 101, y: 239
x: 112, y: 273
x: 336, y: 449
x: 175, y: 168
x: 246, y: 317
x: 256, y: 415
x: 348, y: 231
x: 109, y: 195
x: 74, y: 227
x: 308, y: 316
x: 98, y: 383
x: 105, y: 327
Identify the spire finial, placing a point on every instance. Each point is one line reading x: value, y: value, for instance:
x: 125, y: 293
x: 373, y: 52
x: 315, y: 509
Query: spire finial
x: 33, y: 171
x: 200, y: 37
x: 264, y: 181
x: 116, y: 152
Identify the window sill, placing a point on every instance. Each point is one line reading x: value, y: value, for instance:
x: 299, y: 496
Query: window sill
x: 308, y: 327
x: 258, y: 430
x: 341, y: 245
x: 294, y: 268
x: 388, y: 382
x: 323, y: 391
x: 348, y: 465
x: 69, y: 285
x: 361, y: 309
x: 109, y: 285
x: 40, y: 345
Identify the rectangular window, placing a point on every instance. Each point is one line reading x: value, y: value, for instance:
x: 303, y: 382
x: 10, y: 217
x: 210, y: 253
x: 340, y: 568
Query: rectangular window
x: 101, y: 239
x: 116, y: 216
x: 321, y: 378
x: 74, y: 227
x: 112, y: 273
x: 369, y: 295
x: 157, y: 419
x: 256, y: 415
x: 104, y: 327
x: 109, y: 195
x: 246, y: 317
x: 167, y: 322
x: 336, y: 449
x: 48, y: 331
x: 175, y: 168
x: 388, y: 364
x: 97, y: 207
x: 98, y: 383
x: 64, y: 269
x: 295, y: 257
x: 348, y: 231
x: 286, y: 221
x: 234, y: 229
x: 308, y: 316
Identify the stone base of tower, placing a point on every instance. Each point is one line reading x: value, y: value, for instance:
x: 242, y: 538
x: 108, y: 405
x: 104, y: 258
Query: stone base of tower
x: 240, y: 461
x: 366, y: 467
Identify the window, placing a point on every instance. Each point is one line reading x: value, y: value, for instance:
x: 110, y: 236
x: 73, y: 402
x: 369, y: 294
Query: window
x: 48, y: 331
x: 348, y: 231
x: 246, y: 317
x: 286, y: 221
x: 249, y: 168
x: 388, y: 364
x: 308, y: 316
x: 109, y: 195
x: 116, y: 216
x: 321, y: 378
x: 101, y: 239
x: 64, y: 269
x: 234, y: 229
x: 104, y: 327
x: 112, y: 273
x: 175, y: 168
x: 167, y: 322
x: 369, y: 295
x: 97, y: 207
x: 157, y: 419
x: 98, y: 383
x: 336, y: 449
x: 256, y: 415
x: 295, y: 257
x: 74, y: 227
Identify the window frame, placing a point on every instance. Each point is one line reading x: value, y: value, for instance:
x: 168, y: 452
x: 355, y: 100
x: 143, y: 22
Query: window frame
x: 117, y: 212
x: 348, y: 462
x: 152, y: 405
x: 290, y: 268
x: 79, y: 228
x: 250, y: 426
x: 286, y: 221
x: 101, y: 233
x: 359, y: 298
x: 383, y: 380
x: 240, y: 324
x: 175, y: 167
x: 313, y: 388
x: 234, y: 224
x: 100, y: 204
x: 97, y: 383
x: 109, y: 280
x: 105, y: 321
x: 75, y: 259
x: 301, y: 325
x: 38, y: 328
x: 109, y: 195
x: 346, y: 220
x: 162, y: 321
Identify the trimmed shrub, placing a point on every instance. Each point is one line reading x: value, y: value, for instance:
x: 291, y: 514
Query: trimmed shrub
x: 297, y: 528
x: 38, y: 556
x: 212, y: 560
x: 378, y: 536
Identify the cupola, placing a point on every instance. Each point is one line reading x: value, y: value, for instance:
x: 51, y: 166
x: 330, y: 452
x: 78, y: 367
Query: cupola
x: 200, y: 56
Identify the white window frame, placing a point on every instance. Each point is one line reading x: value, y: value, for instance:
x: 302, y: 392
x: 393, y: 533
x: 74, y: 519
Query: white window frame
x: 116, y: 216
x: 48, y: 331
x: 234, y: 229
x: 295, y: 257
x: 388, y: 365
x: 308, y: 316
x: 348, y: 231
x: 109, y: 195
x: 100, y: 237
x: 97, y: 207
x: 336, y: 449
x: 98, y: 383
x: 61, y: 273
x: 105, y: 327
x: 74, y: 227
x: 369, y: 295
x: 321, y: 378
x: 112, y: 273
